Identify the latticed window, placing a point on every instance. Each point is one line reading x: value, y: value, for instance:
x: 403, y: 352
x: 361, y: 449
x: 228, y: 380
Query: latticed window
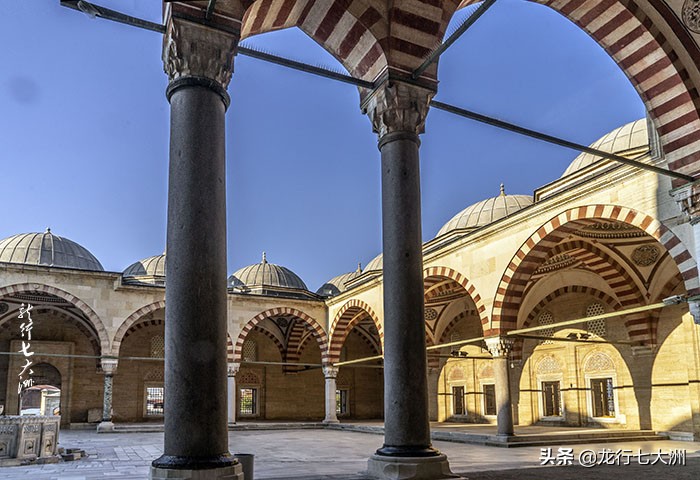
x: 157, y: 347
x: 596, y: 327
x: 250, y: 351
x: 154, y: 401
x: 546, y: 318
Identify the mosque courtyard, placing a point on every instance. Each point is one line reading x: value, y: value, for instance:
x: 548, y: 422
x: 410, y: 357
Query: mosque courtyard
x: 312, y: 454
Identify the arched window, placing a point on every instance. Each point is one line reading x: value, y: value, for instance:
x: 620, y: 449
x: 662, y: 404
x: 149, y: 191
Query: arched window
x: 596, y: 327
x: 546, y: 318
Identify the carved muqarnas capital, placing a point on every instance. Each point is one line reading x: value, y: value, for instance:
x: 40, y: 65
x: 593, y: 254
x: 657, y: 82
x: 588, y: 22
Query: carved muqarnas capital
x: 688, y: 199
x: 398, y: 107
x: 109, y: 365
x: 330, y: 371
x: 499, y: 346
x: 192, y: 50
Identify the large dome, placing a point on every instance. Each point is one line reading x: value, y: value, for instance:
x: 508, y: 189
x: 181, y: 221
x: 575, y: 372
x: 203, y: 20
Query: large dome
x: 487, y: 211
x: 620, y: 141
x: 377, y: 263
x: 266, y: 274
x: 336, y: 285
x: 151, y: 269
x: 47, y: 249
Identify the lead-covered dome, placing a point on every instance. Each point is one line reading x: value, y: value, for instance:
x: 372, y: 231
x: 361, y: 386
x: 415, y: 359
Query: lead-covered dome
x: 266, y: 274
x: 336, y: 285
x: 487, y: 211
x: 148, y: 270
x: 627, y: 139
x: 47, y: 249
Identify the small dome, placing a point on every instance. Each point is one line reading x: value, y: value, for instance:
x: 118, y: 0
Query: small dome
x: 377, y: 263
x: 148, y: 267
x: 632, y: 136
x: 487, y: 211
x: 47, y: 249
x: 336, y: 285
x: 266, y: 274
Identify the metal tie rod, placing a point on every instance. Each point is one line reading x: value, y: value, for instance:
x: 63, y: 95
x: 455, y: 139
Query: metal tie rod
x: 435, y: 54
x: 97, y: 11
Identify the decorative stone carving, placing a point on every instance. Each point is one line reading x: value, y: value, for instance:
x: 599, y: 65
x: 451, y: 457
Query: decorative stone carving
x: 691, y: 15
x: 547, y: 365
x: 233, y: 369
x: 430, y: 314
x: 599, y: 362
x: 4, y: 307
x: 499, y: 346
x: 28, y: 437
x: 109, y: 365
x: 329, y: 371
x: 688, y: 199
x: 456, y: 375
x: 396, y: 106
x: 645, y: 255
x: 193, y: 50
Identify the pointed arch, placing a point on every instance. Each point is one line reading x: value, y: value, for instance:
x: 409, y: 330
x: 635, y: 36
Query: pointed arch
x: 318, y: 331
x: 347, y: 317
x: 84, y: 308
x: 537, y: 247
x: 131, y: 320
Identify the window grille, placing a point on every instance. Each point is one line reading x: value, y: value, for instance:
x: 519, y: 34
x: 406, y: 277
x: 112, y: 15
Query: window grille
x: 248, y: 401
x: 157, y: 347
x: 154, y: 401
x: 546, y: 318
x: 250, y: 351
x: 596, y: 327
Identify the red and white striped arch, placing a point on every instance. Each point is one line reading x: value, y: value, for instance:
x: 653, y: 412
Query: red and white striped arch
x: 438, y: 272
x: 594, y: 293
x: 347, y: 317
x: 537, y: 248
x: 343, y: 27
x: 643, y: 52
x: 133, y: 319
x: 97, y: 324
x: 318, y: 331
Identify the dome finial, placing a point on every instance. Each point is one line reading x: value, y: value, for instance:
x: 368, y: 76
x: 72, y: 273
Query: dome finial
x: 359, y: 267
x: 503, y: 189
x: 48, y: 230
x: 264, y: 258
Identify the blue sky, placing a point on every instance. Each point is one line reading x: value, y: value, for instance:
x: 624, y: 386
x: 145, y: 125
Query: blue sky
x: 84, y: 134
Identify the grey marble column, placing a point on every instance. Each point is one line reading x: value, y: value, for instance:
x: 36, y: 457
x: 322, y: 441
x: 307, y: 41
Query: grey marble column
x: 500, y: 347
x: 199, y: 62
x: 397, y: 111
x: 330, y: 373
x: 109, y: 368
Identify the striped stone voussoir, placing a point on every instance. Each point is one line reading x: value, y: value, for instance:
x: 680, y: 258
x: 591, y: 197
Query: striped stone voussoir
x: 131, y: 320
x: 349, y: 315
x: 535, y: 251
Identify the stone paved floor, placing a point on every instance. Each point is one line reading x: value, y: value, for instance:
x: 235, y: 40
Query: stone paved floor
x: 328, y: 454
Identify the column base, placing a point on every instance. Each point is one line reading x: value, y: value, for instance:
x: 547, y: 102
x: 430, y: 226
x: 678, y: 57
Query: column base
x: 231, y: 472
x: 105, y: 427
x: 331, y: 421
x: 409, y: 468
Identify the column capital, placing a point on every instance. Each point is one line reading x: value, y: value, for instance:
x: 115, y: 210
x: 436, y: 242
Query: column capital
x: 688, y: 199
x: 330, y: 371
x: 233, y: 369
x: 397, y: 106
x: 191, y: 50
x: 109, y: 365
x: 499, y: 346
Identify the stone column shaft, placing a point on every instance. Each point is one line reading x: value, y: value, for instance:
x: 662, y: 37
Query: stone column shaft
x: 330, y: 373
x: 232, y: 371
x: 499, y: 348
x: 198, y: 60
x: 398, y: 112
x: 109, y: 368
